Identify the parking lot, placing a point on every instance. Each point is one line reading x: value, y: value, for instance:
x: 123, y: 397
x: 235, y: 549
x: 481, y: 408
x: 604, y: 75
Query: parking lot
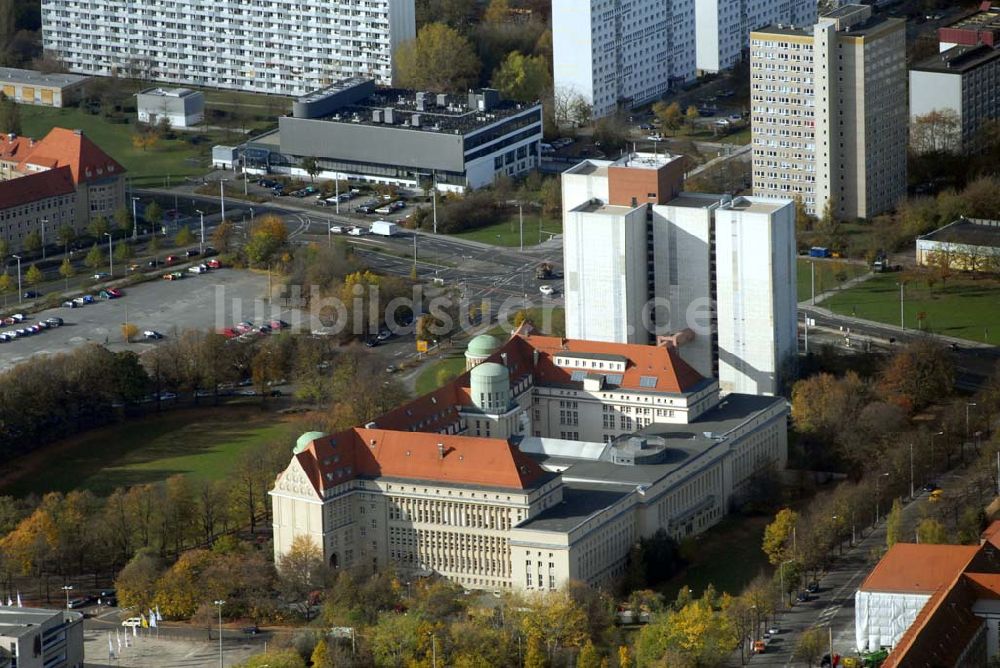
x: 148, y: 648
x: 213, y: 300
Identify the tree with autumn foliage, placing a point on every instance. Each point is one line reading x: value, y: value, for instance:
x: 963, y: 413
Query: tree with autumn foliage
x: 268, y: 238
x: 779, y: 543
x: 917, y: 375
x: 824, y: 403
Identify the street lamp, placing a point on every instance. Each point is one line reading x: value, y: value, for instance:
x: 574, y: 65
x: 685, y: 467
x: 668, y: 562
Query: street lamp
x: 201, y: 241
x: 67, y: 589
x: 111, y: 259
x: 902, y: 321
x: 222, y: 196
x: 45, y: 221
x: 20, y: 295
x: 967, y: 407
x: 434, y: 654
x: 220, y: 603
x: 878, y: 479
x: 135, y: 220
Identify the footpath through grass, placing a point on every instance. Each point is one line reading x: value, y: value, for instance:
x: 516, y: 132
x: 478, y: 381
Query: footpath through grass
x: 828, y: 275
x: 963, y: 307
x: 508, y: 232
x: 201, y: 443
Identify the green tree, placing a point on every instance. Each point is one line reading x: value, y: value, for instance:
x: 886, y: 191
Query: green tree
x: 123, y: 251
x: 222, y: 237
x: 311, y: 167
x: 33, y: 276
x: 535, y: 656
x: 153, y: 216
x: 267, y: 239
x: 551, y: 195
x: 33, y: 242
x: 893, y: 523
x: 302, y: 569
x: 321, y: 655
x: 669, y: 115
x: 66, y: 235
x: 778, y: 536
x: 10, y: 114
x: 521, y: 77
x: 498, y: 11
x: 123, y: 219
x: 184, y: 237
x: 98, y: 227
x: 66, y: 271
x: 932, y: 532
x: 6, y: 285
x: 589, y: 656
x: 440, y: 59
x: 4, y: 248
x: 94, y: 257
x: 691, y: 115
x: 811, y: 645
x: 154, y: 244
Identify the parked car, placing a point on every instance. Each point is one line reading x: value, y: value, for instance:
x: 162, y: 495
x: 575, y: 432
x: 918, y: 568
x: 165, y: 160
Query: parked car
x: 79, y: 301
x: 191, y: 252
x: 132, y: 621
x: 54, y: 321
x: 198, y: 269
x: 336, y: 229
x: 79, y: 602
x: 101, y: 275
x: 107, y: 294
x: 69, y: 303
x: 812, y: 587
x: 18, y: 317
x: 213, y: 264
x: 152, y: 335
x: 171, y: 259
x: 32, y: 294
x: 546, y: 290
x: 251, y: 630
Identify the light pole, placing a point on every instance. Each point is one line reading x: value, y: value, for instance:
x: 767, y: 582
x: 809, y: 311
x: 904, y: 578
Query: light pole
x: 45, y: 221
x: 940, y: 433
x: 911, y: 469
x: 812, y: 268
x: 336, y: 193
x: 878, y: 479
x: 111, y: 257
x: 135, y: 220
x: 781, y: 577
x: 902, y: 321
x: 67, y: 589
x: 220, y: 603
x: 520, y: 218
x: 222, y: 196
x: 967, y: 407
x: 20, y: 295
x: 201, y: 239
x: 434, y: 654
x: 434, y: 200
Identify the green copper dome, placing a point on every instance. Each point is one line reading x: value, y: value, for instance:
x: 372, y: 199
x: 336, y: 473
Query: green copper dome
x: 305, y: 439
x: 483, y: 345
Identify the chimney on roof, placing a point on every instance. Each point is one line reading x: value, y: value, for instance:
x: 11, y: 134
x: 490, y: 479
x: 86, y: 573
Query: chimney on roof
x: 78, y: 132
x: 534, y: 356
x: 369, y: 425
x: 440, y: 450
x: 503, y: 356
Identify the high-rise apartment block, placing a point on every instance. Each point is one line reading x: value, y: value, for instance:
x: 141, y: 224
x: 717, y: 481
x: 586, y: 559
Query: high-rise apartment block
x: 282, y: 47
x: 828, y: 112
x: 723, y: 26
x: 711, y: 275
x: 617, y: 55
x: 621, y: 54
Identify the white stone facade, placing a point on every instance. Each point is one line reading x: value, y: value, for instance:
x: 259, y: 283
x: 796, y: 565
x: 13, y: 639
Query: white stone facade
x: 724, y: 26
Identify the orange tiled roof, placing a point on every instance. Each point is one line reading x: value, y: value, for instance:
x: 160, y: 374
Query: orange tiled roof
x: 991, y: 533
x: 35, y: 187
x: 72, y: 148
x: 912, y: 568
x: 15, y: 148
x: 381, y: 453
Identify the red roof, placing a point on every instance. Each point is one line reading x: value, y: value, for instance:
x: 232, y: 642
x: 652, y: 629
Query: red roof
x: 35, y: 187
x: 438, y: 458
x: 14, y: 148
x: 913, y: 568
x: 73, y: 149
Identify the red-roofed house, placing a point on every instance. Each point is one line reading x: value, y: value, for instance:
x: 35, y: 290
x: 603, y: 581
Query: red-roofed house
x: 98, y: 184
x: 544, y: 462
x: 935, y: 606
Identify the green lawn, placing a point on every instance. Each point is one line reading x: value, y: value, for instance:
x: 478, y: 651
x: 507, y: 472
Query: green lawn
x: 431, y: 376
x: 200, y: 442
x: 509, y: 232
x: 552, y: 323
x: 964, y: 307
x: 727, y: 556
x: 826, y: 275
x: 175, y: 158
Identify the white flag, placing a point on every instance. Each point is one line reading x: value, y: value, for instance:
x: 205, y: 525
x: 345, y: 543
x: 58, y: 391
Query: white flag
x: 135, y: 630
x: 119, y: 636
x: 19, y: 600
x: 152, y: 619
x: 111, y: 648
x: 158, y: 617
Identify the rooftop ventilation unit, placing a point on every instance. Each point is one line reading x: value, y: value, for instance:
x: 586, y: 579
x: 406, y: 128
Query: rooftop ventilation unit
x: 415, y: 120
x: 387, y: 116
x: 376, y: 115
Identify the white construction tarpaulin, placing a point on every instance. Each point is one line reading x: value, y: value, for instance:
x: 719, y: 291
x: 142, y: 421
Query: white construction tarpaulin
x: 881, y: 618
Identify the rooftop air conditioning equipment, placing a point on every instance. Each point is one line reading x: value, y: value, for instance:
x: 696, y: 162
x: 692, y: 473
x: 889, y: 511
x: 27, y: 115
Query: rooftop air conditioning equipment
x: 442, y: 100
x: 415, y: 120
x: 387, y: 116
x: 376, y: 115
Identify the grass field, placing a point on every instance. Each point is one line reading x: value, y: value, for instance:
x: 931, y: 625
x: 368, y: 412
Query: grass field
x: 201, y: 443
x: 176, y: 158
x: 431, y: 376
x: 551, y: 324
x: 964, y: 307
x: 507, y: 232
x: 826, y: 275
x: 728, y: 558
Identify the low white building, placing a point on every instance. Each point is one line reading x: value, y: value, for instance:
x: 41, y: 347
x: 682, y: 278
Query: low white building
x: 544, y: 463
x: 181, y: 107
x: 38, y: 638
x: 968, y: 244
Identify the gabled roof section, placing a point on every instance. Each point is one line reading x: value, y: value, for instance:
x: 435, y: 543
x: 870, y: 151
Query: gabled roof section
x: 427, y: 457
x: 664, y: 363
x: 919, y: 569
x: 36, y: 187
x: 13, y: 148
x: 72, y: 148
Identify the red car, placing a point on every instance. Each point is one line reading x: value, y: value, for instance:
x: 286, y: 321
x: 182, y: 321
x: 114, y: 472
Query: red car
x: 171, y: 259
x: 214, y: 264
x: 115, y: 292
x: 229, y: 333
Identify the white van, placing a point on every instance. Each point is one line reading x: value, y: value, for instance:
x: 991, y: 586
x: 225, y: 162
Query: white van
x: 357, y: 231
